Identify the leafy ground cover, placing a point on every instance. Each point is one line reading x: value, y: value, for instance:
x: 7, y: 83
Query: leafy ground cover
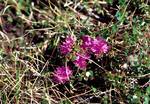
x: 74, y: 51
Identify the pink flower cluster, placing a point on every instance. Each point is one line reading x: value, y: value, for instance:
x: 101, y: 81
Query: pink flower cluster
x: 89, y: 45
x: 67, y: 45
x: 81, y: 60
x: 62, y: 74
x: 96, y: 45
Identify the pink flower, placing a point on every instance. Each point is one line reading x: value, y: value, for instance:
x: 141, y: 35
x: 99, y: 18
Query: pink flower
x: 86, y: 42
x: 81, y: 60
x: 99, y: 46
x: 67, y: 45
x: 96, y: 46
x: 62, y: 74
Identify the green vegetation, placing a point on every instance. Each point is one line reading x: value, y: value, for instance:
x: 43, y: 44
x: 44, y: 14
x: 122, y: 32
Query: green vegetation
x: 31, y: 32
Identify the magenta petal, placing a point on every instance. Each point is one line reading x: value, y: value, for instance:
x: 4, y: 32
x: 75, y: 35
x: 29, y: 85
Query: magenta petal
x: 86, y: 42
x: 81, y: 60
x: 99, y: 46
x: 62, y: 74
x: 67, y: 45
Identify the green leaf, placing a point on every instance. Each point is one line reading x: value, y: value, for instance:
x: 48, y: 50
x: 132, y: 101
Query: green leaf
x: 3, y: 98
x: 148, y: 90
x: 109, y: 1
x: 122, y: 2
x: 94, y: 89
x: 65, y: 102
x: 114, y: 28
x: 89, y: 73
x: 146, y: 100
